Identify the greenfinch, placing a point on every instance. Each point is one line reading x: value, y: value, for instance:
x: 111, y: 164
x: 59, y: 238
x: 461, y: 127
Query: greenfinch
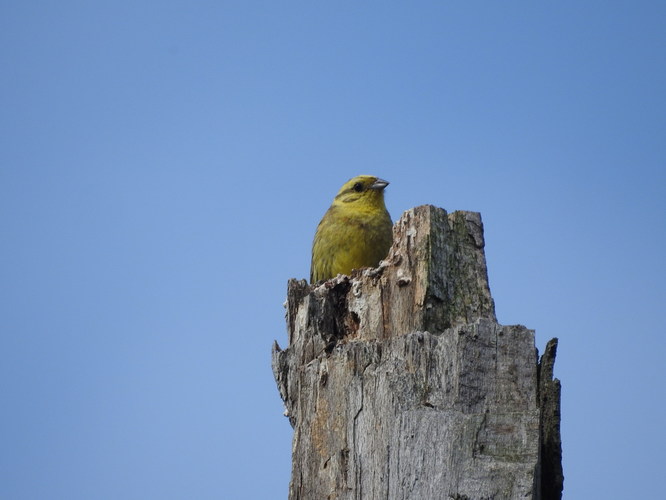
x: 356, y: 231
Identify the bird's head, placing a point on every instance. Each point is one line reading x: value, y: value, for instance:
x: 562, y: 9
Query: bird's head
x: 362, y: 191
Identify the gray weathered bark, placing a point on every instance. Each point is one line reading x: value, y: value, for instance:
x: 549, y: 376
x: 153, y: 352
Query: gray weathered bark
x: 400, y: 383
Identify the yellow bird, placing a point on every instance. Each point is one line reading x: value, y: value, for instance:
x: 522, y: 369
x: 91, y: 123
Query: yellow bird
x: 355, y: 232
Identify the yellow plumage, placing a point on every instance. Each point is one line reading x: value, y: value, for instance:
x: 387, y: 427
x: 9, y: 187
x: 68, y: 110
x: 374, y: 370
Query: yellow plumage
x: 355, y: 232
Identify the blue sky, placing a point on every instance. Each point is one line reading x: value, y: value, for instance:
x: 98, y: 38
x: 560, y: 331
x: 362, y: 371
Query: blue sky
x: 163, y: 166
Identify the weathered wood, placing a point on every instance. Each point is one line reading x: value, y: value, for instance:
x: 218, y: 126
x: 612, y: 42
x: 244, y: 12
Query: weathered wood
x: 400, y: 384
x: 552, y: 477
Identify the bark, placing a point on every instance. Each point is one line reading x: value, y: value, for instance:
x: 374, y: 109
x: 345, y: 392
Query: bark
x: 400, y: 383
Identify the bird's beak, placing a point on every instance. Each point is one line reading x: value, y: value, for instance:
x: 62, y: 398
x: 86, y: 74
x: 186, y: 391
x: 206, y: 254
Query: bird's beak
x: 379, y: 184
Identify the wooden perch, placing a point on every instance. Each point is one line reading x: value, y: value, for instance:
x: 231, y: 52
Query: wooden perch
x: 400, y: 383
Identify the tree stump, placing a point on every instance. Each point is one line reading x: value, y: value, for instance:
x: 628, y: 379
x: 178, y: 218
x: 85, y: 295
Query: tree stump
x: 400, y: 384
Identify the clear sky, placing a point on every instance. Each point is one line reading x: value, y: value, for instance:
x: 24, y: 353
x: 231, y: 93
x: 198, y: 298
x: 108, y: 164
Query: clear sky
x: 163, y: 166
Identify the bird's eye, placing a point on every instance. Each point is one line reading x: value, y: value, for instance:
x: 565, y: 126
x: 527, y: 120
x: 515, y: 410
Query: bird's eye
x: 358, y: 187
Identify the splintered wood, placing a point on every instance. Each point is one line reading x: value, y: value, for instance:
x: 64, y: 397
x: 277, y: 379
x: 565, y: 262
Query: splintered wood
x: 400, y: 383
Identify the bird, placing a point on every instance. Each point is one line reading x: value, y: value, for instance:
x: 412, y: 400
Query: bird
x: 356, y: 231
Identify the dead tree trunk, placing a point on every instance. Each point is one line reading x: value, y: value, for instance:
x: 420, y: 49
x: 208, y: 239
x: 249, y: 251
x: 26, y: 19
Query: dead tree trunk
x: 400, y: 383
